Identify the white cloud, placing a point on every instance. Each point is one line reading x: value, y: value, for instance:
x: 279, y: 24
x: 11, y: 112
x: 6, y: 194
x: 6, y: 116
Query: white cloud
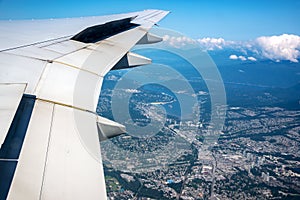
x: 242, y: 58
x: 132, y: 91
x: 112, y: 78
x: 206, y: 43
x: 233, y: 57
x: 178, y: 42
x: 212, y: 43
x: 282, y: 47
x: 252, y: 58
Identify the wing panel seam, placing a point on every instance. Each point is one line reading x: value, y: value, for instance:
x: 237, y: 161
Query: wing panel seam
x: 65, y: 105
x: 75, y: 67
x: 36, y: 43
x: 47, y: 151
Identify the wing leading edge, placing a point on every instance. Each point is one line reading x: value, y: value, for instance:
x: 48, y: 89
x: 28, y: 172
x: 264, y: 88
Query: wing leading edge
x: 62, y: 73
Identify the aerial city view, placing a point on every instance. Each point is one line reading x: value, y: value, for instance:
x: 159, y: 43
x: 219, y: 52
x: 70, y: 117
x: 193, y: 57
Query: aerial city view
x: 179, y: 100
x: 256, y: 154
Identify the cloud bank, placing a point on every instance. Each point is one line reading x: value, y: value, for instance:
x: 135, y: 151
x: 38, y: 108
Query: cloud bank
x: 178, y: 41
x: 212, y: 43
x: 282, y: 47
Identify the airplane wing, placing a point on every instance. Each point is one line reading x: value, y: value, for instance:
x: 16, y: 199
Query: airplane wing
x: 51, y: 73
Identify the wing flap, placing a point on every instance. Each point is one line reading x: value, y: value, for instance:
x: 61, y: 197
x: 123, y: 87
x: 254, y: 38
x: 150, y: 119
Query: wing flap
x: 73, y: 158
x: 10, y: 97
x: 28, y: 176
x: 66, y: 156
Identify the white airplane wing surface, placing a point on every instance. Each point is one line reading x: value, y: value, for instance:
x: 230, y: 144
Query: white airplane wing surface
x: 51, y: 73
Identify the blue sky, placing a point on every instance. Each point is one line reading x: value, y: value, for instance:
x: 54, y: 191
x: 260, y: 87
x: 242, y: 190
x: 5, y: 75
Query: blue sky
x: 229, y: 19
